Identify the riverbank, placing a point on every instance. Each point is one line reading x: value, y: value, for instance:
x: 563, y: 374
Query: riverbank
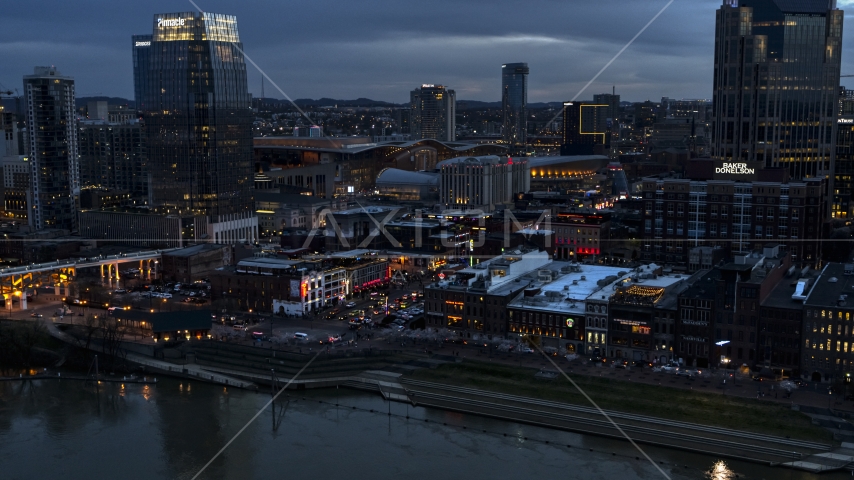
x: 636, y: 398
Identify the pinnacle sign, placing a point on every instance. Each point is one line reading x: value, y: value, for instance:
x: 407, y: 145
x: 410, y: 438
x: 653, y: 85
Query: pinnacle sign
x: 172, y: 22
x: 735, y: 168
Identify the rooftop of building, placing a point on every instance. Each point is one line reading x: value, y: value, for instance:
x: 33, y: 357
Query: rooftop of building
x: 833, y: 287
x: 781, y: 295
x: 195, y: 250
x: 412, y: 223
x: 289, y: 198
x: 561, y: 159
x: 370, y: 209
x: 648, y: 286
x: 357, y: 253
x: 358, y: 145
x: 481, y: 160
x: 704, y: 286
x: 397, y: 176
x: 267, y: 262
x: 758, y: 264
x: 169, y: 321
x: 574, y: 283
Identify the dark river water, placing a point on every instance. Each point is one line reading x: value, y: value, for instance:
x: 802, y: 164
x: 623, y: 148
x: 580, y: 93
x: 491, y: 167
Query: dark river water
x: 71, y: 430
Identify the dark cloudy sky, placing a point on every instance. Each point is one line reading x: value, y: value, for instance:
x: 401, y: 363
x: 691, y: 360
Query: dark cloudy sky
x: 382, y: 49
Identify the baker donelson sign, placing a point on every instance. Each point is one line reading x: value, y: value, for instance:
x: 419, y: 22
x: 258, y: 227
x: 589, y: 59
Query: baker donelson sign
x: 735, y: 168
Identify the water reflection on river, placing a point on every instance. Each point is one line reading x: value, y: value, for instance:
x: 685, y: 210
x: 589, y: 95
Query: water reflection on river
x: 70, y: 429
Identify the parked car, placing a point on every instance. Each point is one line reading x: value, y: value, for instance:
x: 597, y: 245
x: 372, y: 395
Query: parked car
x: 621, y: 364
x: 670, y: 368
x: 685, y: 373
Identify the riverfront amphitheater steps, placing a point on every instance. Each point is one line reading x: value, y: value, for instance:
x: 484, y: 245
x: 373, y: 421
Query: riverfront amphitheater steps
x: 335, y: 363
x: 655, y: 431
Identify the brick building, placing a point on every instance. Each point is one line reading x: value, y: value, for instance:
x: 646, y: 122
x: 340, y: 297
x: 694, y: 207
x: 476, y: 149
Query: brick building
x: 679, y: 214
x: 828, y: 343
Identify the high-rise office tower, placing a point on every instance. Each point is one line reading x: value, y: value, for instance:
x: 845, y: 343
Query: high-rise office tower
x: 775, y: 84
x: 198, y: 124
x: 585, y: 129
x: 842, y: 185
x: 141, y: 60
x: 842, y: 206
x: 613, y: 102
x: 514, y: 102
x: 52, y: 135
x: 434, y: 111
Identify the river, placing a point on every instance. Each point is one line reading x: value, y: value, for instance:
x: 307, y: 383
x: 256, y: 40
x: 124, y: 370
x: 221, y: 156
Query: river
x: 73, y: 430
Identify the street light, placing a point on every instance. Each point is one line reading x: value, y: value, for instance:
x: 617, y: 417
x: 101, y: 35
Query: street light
x: 724, y: 360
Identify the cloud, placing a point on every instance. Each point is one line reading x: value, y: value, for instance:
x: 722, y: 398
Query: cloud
x: 383, y: 49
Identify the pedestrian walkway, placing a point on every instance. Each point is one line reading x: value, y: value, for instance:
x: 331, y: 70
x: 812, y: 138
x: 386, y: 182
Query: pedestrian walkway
x: 190, y: 370
x: 655, y: 431
x: 827, y: 461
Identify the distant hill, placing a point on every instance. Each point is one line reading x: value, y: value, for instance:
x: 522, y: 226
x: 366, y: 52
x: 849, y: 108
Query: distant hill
x: 477, y: 105
x: 359, y: 102
x: 82, y: 101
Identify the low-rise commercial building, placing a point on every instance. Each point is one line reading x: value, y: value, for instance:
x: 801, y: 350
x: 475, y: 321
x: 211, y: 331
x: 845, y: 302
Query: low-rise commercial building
x: 828, y: 343
x: 196, y: 262
x: 581, y: 235
x: 643, y: 312
x: 474, y: 300
x: 553, y: 310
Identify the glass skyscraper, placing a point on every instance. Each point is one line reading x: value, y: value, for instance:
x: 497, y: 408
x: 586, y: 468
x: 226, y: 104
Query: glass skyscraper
x: 434, y: 112
x: 198, y: 123
x: 775, y: 84
x: 514, y: 102
x: 52, y: 135
x: 141, y: 45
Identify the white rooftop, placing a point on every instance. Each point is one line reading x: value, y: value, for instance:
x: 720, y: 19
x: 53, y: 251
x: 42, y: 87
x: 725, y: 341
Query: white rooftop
x: 570, y: 290
x: 361, y: 252
x: 372, y: 209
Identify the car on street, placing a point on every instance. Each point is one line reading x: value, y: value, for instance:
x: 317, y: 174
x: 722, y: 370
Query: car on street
x: 670, y: 368
x: 685, y: 373
x: 350, y: 304
x: 36, y: 315
x: 621, y: 364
